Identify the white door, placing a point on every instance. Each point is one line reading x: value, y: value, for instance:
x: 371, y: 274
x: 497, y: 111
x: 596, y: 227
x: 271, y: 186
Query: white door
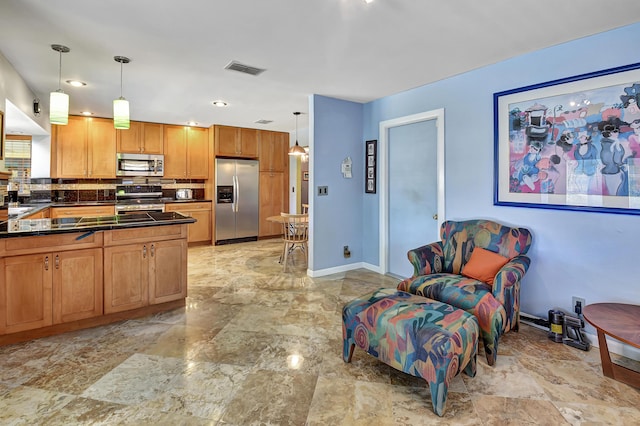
x: 412, y: 192
x: 411, y: 176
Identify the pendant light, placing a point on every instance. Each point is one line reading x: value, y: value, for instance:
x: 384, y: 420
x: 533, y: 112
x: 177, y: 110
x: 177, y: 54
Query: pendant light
x: 297, y: 149
x: 58, y: 100
x: 121, y: 105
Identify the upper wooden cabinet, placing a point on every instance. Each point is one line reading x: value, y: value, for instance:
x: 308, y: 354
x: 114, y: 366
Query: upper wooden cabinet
x: 141, y: 138
x: 274, y: 151
x: 84, y: 148
x: 186, y: 152
x: 235, y: 142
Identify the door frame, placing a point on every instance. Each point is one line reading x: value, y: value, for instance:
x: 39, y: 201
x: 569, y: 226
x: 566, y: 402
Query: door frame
x: 385, y: 126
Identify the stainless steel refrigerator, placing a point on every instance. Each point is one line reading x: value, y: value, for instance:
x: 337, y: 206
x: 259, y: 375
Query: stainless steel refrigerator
x: 237, y: 200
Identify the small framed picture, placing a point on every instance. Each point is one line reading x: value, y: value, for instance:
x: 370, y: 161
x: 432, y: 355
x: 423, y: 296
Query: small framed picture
x: 370, y: 176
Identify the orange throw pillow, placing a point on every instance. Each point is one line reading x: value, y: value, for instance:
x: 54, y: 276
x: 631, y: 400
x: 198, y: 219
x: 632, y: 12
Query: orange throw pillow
x: 483, y: 265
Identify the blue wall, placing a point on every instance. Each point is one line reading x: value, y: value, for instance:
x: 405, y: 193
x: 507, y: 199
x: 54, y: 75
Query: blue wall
x: 336, y: 133
x: 591, y: 255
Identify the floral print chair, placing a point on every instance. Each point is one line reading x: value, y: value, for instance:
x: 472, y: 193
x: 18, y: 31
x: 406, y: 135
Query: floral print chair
x: 445, y: 271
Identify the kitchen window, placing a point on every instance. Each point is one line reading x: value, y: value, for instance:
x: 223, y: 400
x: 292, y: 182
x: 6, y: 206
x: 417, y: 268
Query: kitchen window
x: 17, y: 158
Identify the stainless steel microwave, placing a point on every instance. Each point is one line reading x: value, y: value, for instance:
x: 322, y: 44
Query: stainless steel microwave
x: 139, y: 165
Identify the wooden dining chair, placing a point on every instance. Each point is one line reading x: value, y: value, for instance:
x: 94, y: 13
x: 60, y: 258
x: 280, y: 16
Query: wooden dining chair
x: 305, y: 209
x: 295, y: 234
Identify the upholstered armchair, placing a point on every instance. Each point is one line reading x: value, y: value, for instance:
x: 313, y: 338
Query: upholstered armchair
x: 485, y: 284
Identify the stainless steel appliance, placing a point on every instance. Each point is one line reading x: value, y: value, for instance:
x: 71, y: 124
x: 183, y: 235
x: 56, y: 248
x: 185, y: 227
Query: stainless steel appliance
x: 184, y: 194
x: 138, y: 199
x: 237, y: 200
x: 139, y: 164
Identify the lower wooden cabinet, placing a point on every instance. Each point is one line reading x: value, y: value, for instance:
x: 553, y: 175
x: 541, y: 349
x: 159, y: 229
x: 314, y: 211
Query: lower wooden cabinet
x: 272, y: 202
x: 50, y: 288
x: 144, y: 266
x: 200, y: 231
x: 59, y: 282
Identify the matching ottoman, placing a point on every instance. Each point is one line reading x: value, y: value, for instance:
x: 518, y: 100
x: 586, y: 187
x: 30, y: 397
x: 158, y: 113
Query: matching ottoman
x: 415, y: 335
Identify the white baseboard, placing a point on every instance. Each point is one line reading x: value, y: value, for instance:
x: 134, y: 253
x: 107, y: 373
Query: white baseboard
x: 342, y: 269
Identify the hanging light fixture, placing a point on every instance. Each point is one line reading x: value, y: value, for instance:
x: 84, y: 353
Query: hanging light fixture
x: 297, y: 149
x: 58, y: 100
x: 121, y: 105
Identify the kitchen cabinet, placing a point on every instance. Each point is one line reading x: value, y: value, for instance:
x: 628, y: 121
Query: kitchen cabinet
x: 186, y: 152
x: 141, y: 138
x: 49, y: 280
x: 82, y: 211
x: 144, y: 266
x: 84, y: 148
x: 235, y: 142
x: 272, y: 202
x: 201, y: 211
x: 274, y: 151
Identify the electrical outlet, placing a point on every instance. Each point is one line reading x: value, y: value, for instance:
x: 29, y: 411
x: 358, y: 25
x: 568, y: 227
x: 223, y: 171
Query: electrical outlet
x: 577, y: 304
x: 346, y: 253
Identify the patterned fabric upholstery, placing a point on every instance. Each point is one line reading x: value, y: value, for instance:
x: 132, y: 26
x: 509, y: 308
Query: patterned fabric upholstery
x: 413, y: 334
x: 437, y: 269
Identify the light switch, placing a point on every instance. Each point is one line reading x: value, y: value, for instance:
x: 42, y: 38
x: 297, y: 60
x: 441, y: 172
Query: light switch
x: 323, y: 190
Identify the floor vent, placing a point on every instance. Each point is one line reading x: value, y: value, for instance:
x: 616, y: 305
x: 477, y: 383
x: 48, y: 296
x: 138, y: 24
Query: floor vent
x: 247, y: 69
x: 263, y: 121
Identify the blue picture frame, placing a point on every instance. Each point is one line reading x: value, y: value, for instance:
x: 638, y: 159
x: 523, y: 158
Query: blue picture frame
x: 571, y: 143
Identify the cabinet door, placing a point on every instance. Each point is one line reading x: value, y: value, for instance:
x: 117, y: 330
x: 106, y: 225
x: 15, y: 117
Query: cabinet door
x: 77, y: 285
x: 265, y: 151
x: 168, y: 271
x: 201, y: 230
x: 129, y: 140
x: 71, y: 149
x: 175, y: 152
x: 249, y: 143
x: 272, y: 186
x: 227, y: 141
x: 101, y: 144
x: 126, y: 277
x: 280, y: 156
x: 26, y: 292
x: 152, y: 138
x: 198, y: 153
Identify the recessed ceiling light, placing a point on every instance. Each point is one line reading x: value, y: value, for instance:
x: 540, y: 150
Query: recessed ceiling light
x: 86, y: 113
x: 192, y: 123
x: 76, y: 83
x: 368, y: 1
x: 221, y: 104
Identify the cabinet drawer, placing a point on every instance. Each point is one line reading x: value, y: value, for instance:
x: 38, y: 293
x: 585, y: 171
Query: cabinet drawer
x: 187, y: 207
x: 41, y: 243
x: 58, y: 212
x: 142, y: 235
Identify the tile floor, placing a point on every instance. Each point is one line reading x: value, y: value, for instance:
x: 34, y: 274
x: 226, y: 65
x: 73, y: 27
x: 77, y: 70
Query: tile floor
x: 258, y: 346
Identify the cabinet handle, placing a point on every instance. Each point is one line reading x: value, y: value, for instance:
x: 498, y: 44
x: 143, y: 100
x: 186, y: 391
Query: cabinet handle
x: 57, y: 261
x: 153, y: 249
x: 144, y: 252
x: 46, y: 263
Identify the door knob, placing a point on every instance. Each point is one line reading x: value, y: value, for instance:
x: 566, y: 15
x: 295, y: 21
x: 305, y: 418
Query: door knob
x: 435, y: 216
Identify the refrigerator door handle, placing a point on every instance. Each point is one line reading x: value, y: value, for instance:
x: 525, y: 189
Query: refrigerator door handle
x: 237, y: 193
x: 236, y: 190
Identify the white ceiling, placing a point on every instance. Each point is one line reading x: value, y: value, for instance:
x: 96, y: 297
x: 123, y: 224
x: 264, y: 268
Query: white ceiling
x: 340, y: 48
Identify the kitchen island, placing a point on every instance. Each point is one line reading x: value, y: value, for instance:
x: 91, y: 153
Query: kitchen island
x: 59, y: 275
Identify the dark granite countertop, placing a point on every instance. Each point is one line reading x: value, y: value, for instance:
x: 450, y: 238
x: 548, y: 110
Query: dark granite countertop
x: 16, y: 227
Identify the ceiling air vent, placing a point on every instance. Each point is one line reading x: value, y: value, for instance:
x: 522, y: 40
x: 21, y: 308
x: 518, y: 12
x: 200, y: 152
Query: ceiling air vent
x: 263, y: 121
x: 247, y: 69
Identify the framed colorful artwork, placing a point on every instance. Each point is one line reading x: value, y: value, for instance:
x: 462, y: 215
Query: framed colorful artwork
x: 572, y: 143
